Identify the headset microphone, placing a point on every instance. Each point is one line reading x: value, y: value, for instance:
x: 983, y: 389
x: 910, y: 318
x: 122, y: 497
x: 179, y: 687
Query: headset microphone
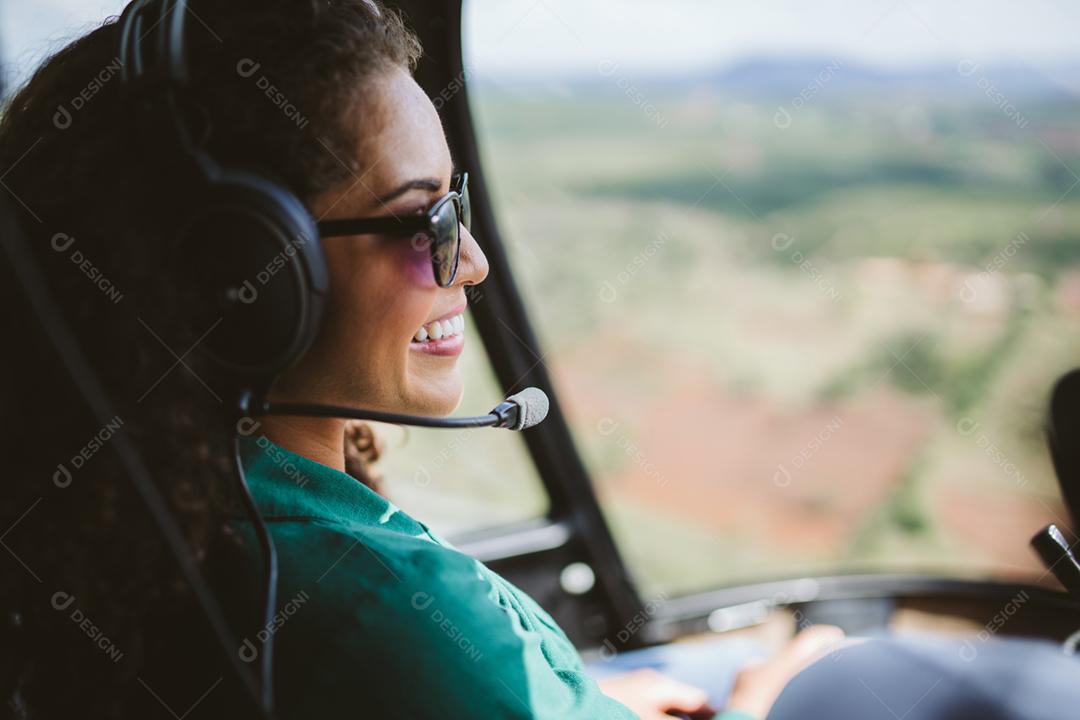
x: 520, y: 411
x: 528, y: 408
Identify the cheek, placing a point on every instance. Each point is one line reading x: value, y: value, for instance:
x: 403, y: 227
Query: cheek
x: 385, y: 295
x: 415, y: 265
x: 406, y: 288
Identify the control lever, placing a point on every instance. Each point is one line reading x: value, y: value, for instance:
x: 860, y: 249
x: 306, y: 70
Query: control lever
x: 1052, y: 546
x: 1062, y: 432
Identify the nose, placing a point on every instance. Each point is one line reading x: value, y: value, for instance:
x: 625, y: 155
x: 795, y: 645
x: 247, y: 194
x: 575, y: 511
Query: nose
x: 473, y: 265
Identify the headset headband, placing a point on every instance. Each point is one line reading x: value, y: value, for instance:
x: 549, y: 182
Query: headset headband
x: 239, y: 221
x: 154, y: 71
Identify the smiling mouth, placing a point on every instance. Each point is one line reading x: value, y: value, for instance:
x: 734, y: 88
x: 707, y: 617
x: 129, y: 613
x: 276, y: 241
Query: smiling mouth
x: 437, y: 330
x: 443, y: 337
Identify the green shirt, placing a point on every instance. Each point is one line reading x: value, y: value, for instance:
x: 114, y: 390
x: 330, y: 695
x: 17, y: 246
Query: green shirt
x: 380, y: 617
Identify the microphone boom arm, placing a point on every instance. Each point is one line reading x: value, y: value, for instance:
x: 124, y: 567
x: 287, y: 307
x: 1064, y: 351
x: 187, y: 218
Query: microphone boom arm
x: 340, y: 411
x: 520, y: 411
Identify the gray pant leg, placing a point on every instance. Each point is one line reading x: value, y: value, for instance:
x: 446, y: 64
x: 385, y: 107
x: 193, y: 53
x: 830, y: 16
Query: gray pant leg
x: 928, y: 678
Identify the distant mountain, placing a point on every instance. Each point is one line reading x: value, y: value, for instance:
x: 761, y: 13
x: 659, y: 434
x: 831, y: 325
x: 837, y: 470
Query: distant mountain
x: 787, y: 77
x: 780, y: 79
x: 790, y: 75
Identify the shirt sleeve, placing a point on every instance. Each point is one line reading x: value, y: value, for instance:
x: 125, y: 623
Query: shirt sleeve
x: 396, y: 626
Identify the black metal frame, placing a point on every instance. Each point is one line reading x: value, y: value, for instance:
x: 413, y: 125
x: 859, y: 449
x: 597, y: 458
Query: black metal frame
x: 686, y: 615
x: 393, y: 225
x: 511, y: 344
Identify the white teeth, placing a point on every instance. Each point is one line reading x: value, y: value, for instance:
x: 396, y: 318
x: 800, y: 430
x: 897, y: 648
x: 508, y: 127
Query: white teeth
x: 439, y: 329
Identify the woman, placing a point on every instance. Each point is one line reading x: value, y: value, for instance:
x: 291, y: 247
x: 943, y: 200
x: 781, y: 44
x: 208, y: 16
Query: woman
x: 377, y: 616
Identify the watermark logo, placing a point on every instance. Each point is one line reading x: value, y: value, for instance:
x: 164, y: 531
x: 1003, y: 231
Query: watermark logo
x: 609, y: 426
x: 248, y: 291
x: 64, y: 116
x: 782, y: 477
x: 248, y: 68
x: 247, y: 427
x: 63, y: 601
x: 423, y: 475
x: 970, y: 427
x: 969, y: 291
x: 969, y: 68
x: 62, y: 242
x: 608, y: 649
x: 609, y: 289
x: 426, y: 603
x: 451, y: 89
x: 610, y: 69
x: 969, y: 648
x: 248, y: 650
x: 782, y: 242
x: 63, y: 475
x: 783, y: 117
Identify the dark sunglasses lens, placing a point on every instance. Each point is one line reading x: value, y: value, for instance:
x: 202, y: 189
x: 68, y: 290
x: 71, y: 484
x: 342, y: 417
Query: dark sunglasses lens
x: 460, y: 185
x: 466, y: 209
x: 446, y: 244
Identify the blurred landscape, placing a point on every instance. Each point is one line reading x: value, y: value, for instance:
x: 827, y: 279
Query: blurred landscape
x: 804, y: 315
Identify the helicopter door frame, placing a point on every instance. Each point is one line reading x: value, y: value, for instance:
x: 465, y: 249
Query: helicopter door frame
x: 533, y: 555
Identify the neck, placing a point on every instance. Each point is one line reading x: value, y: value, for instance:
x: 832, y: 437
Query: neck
x: 319, y: 439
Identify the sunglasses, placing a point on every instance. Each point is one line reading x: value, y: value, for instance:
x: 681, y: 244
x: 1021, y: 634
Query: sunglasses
x: 439, y: 228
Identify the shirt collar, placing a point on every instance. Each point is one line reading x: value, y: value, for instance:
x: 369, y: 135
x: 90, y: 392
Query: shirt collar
x: 287, y: 485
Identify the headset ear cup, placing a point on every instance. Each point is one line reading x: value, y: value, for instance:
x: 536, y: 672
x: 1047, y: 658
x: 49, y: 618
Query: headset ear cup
x: 253, y: 255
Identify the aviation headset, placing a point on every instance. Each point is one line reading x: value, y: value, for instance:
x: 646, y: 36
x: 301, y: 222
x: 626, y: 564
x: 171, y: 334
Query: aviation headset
x: 241, y: 217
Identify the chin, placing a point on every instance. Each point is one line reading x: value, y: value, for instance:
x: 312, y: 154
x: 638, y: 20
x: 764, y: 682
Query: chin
x: 436, y: 396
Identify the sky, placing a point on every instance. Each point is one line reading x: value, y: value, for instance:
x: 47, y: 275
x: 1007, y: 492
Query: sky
x: 510, y: 38
x: 523, y: 36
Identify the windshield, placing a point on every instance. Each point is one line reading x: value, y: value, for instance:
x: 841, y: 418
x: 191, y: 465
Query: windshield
x: 804, y: 273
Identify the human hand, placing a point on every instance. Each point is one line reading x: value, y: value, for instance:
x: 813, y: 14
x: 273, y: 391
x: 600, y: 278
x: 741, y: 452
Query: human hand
x: 759, y: 684
x: 651, y: 694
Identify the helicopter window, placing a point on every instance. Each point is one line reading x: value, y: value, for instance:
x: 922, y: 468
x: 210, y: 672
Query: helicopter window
x: 804, y: 274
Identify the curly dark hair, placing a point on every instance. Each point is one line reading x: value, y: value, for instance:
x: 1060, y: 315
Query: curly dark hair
x: 86, y: 586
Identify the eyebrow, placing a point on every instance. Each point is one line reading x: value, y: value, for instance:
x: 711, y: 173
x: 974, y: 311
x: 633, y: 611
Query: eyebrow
x: 429, y: 184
